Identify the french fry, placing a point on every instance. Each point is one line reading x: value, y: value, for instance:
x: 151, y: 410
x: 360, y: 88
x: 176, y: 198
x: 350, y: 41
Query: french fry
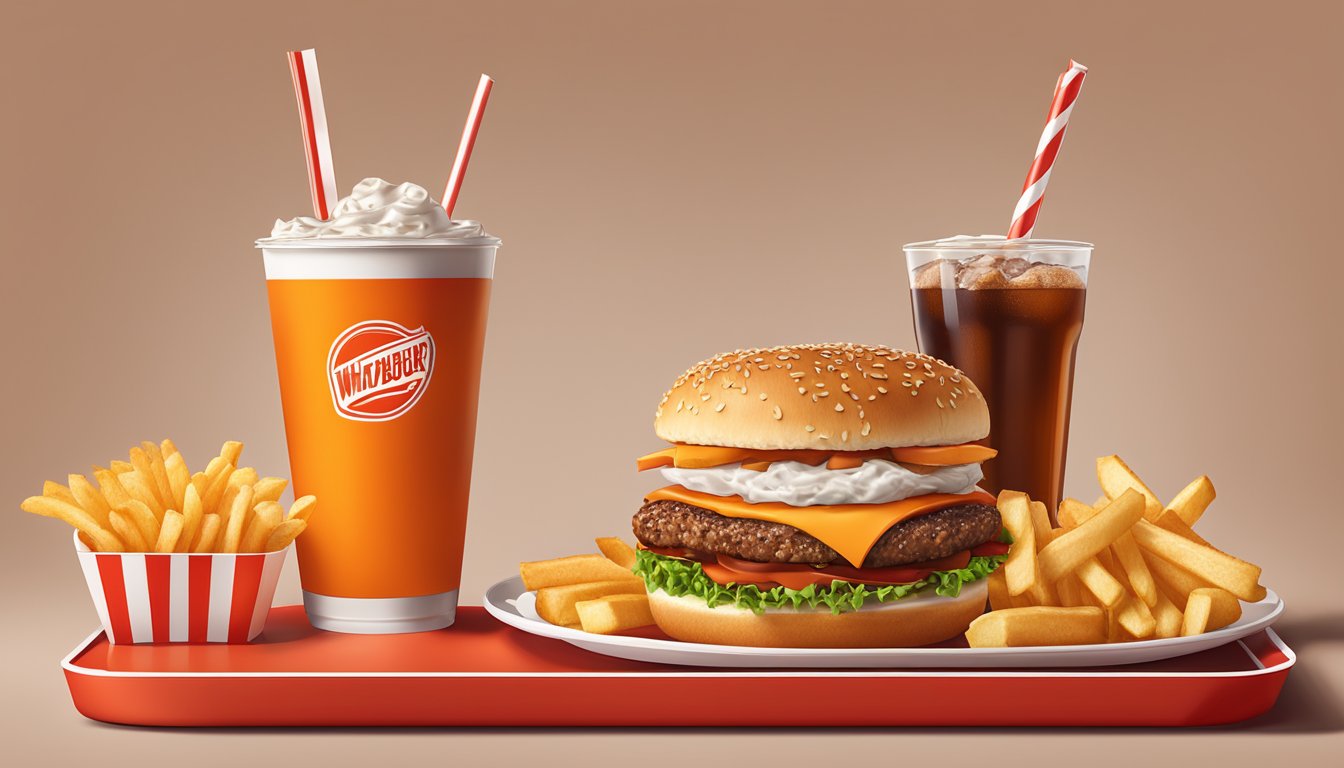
x: 168, y: 448
x: 54, y: 490
x: 210, y: 527
x: 144, y: 468
x: 192, y: 514
x: 1218, y: 568
x: 998, y: 593
x: 178, y: 478
x: 1038, y: 625
x: 109, y: 484
x: 231, y: 451
x: 140, y: 487
x: 170, y: 532
x: 235, y: 519
x: 302, y: 508
x: 575, y: 569
x: 617, y: 551
x: 219, y: 482
x: 89, y: 499
x: 1040, y: 524
x: 1208, y: 609
x: 103, y: 539
x: 1070, y: 591
x: 144, y: 519
x: 1130, y: 560
x: 1167, y: 617
x: 226, y: 498
x: 556, y: 604
x: 1020, y: 569
x: 1171, y: 520
x: 283, y: 534
x: 1115, y: 477
x: 128, y: 531
x: 1173, y: 581
x: 266, y: 516
x: 1193, y: 499
x: 160, y: 474
x: 244, y: 476
x: 1133, y: 615
x: 1072, y: 548
x: 1098, y: 582
x: 615, y: 613
x: 269, y: 489
x: 120, y: 467
x: 1072, y: 511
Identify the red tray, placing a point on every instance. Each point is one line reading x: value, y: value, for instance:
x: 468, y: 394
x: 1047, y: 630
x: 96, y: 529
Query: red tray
x: 482, y: 673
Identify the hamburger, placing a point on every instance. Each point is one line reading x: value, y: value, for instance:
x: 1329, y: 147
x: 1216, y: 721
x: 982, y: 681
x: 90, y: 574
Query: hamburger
x: 821, y: 495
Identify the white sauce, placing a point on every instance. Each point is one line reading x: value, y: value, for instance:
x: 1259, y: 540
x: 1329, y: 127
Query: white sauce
x: 800, y: 485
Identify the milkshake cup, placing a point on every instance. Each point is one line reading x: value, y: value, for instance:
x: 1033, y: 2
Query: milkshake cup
x: 378, y: 315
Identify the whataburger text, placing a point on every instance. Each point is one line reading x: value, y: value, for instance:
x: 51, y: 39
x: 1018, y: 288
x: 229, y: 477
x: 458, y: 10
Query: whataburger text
x: 389, y: 370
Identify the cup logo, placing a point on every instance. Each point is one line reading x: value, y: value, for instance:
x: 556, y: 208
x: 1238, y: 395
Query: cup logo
x: 379, y: 369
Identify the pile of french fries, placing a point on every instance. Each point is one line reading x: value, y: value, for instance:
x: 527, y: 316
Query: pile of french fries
x: 596, y: 593
x: 1126, y: 568
x: 153, y: 503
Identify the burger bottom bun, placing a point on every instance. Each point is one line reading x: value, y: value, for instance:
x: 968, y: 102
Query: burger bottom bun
x: 911, y: 621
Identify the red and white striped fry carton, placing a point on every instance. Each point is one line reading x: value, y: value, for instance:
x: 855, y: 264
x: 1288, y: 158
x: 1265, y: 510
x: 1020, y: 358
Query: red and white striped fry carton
x: 181, y: 598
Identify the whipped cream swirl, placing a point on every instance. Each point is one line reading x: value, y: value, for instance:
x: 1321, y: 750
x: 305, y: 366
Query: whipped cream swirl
x: 801, y: 485
x: 378, y: 209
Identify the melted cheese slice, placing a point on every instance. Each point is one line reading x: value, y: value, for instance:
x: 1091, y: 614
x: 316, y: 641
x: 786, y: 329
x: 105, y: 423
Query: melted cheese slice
x: 849, y: 529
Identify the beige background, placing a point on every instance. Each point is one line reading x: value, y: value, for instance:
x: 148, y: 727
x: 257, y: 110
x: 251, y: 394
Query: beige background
x: 671, y: 181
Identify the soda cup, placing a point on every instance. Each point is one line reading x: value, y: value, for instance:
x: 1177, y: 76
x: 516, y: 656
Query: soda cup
x: 378, y: 348
x: 1009, y: 314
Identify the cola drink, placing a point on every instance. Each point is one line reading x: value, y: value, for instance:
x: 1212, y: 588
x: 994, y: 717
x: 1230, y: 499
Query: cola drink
x: 1009, y: 313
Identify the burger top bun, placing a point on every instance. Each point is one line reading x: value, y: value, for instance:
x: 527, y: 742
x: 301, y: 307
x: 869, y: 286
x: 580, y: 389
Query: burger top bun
x: 838, y: 397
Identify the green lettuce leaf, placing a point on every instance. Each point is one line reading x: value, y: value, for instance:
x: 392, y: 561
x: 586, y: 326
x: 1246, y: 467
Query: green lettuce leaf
x: 678, y: 577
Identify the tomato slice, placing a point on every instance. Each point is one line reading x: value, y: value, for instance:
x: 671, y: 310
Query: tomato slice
x: 728, y: 570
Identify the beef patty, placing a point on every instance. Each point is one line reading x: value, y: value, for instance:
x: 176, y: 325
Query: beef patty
x: 668, y: 523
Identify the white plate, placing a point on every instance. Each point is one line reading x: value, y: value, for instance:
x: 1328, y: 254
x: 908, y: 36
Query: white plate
x: 515, y: 606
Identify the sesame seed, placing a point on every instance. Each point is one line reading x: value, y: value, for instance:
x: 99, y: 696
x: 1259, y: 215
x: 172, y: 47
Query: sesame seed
x: 867, y: 427
x: 844, y: 375
x: 910, y: 364
x: 802, y: 390
x: 839, y: 408
x: 810, y: 428
x: 953, y: 403
x: 879, y: 365
x: 941, y: 382
x: 823, y: 393
x: 695, y: 410
x: 914, y: 392
x: 823, y: 437
x: 939, y: 401
x: 853, y: 397
x: 719, y: 407
x: 844, y: 387
x: 819, y: 385
x: 844, y: 436
x: 744, y: 389
x: 814, y: 398
x: 680, y: 404
x: 883, y: 390
x: 919, y: 383
x: 797, y: 375
x: 704, y: 398
x: 762, y: 395
x: 872, y: 397
x: 777, y: 413
x: 907, y: 384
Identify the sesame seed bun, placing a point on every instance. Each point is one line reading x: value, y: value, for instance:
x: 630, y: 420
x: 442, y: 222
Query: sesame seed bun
x: 912, y: 621
x: 846, y: 397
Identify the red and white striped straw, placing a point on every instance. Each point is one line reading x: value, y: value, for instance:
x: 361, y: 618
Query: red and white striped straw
x: 468, y: 141
x: 313, y: 123
x: 1029, y: 204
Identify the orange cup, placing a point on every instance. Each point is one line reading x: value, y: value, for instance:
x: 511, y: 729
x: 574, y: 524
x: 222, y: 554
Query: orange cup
x: 378, y: 349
